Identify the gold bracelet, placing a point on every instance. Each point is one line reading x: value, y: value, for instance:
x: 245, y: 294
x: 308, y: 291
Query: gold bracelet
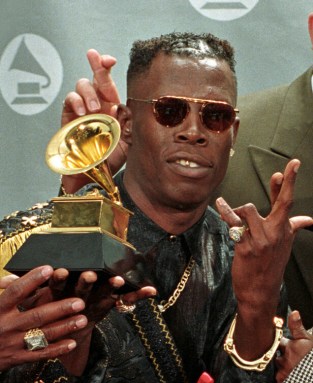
x: 258, y: 364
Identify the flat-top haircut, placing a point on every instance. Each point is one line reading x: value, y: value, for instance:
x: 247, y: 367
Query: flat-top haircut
x: 187, y: 44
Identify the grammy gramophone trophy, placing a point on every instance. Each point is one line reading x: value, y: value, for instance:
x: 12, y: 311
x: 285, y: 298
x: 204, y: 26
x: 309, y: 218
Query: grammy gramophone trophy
x: 87, y: 232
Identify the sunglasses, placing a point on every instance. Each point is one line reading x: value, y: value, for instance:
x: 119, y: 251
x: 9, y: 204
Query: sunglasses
x: 216, y: 116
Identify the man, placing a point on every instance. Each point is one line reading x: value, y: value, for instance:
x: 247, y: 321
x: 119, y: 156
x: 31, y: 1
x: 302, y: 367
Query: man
x: 276, y: 125
x: 180, y: 125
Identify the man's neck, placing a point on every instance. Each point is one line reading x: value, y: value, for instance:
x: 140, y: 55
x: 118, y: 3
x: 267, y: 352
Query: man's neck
x: 173, y: 219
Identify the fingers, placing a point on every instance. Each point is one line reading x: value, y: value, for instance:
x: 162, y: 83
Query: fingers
x: 7, y: 280
x: 227, y: 213
x: 275, y: 186
x: 58, y: 280
x: 101, y: 67
x: 301, y: 221
x: 99, y: 96
x: 296, y: 327
x: 73, y: 107
x: 106, y: 292
x: 144, y: 292
x: 60, y: 329
x: 44, y: 314
x: 85, y: 100
x: 282, y: 189
x: 86, y: 90
x: 284, y: 200
x: 14, y: 355
x: 22, y: 287
x: 74, y: 102
x: 85, y: 283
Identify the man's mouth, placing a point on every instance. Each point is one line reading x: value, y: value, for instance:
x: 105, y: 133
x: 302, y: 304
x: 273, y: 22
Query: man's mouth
x: 187, y: 163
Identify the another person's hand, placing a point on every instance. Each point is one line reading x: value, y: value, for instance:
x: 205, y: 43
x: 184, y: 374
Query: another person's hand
x: 97, y: 96
x: 293, y: 350
x: 57, y: 320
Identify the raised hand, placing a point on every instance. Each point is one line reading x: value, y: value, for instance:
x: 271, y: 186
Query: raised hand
x: 260, y: 259
x: 265, y: 246
x: 97, y: 96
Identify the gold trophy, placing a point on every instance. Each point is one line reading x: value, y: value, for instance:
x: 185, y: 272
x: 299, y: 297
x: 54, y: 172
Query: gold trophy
x: 87, y: 232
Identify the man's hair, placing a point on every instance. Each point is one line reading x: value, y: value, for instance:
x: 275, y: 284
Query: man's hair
x: 185, y: 44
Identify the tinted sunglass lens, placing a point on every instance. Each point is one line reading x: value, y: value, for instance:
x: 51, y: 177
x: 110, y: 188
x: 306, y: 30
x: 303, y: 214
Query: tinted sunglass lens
x: 218, y: 117
x: 170, y: 111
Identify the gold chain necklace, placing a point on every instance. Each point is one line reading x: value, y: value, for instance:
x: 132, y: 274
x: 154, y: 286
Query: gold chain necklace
x: 164, y: 305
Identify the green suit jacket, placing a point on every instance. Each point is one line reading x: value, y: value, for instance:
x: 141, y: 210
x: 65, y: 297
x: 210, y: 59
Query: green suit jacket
x: 276, y: 126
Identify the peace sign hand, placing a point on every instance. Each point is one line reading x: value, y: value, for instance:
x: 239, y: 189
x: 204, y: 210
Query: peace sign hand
x: 260, y: 259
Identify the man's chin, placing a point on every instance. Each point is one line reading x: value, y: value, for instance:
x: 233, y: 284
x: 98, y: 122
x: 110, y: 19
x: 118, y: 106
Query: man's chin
x: 190, y: 204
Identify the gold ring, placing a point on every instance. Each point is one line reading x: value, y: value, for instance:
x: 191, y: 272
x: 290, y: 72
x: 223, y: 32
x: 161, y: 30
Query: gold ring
x: 123, y: 307
x: 236, y: 232
x: 35, y: 339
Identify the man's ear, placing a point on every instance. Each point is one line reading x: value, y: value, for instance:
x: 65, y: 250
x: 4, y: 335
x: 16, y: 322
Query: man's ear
x: 310, y: 26
x: 235, y: 129
x: 124, y: 117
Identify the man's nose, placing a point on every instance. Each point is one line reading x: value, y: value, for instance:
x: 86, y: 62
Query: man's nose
x: 191, y: 130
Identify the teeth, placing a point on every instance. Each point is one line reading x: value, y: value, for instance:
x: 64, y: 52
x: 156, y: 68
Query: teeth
x: 188, y: 164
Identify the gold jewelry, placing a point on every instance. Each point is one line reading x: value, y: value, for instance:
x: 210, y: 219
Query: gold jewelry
x: 35, y: 339
x: 164, y: 305
x: 231, y: 152
x: 236, y: 232
x: 123, y: 307
x: 258, y: 364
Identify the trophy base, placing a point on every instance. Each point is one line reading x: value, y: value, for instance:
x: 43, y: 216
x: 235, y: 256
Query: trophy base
x: 79, y: 252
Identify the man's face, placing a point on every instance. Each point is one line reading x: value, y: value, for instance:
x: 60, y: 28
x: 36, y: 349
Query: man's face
x: 178, y: 166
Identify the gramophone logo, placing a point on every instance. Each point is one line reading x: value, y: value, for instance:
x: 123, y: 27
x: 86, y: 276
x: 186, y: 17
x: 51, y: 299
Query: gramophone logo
x: 31, y: 74
x: 223, y: 10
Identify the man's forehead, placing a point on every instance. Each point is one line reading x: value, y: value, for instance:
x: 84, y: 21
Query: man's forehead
x: 185, y: 75
x: 183, y: 69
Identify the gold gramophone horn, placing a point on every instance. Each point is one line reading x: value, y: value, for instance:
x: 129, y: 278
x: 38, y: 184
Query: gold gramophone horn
x: 82, y: 146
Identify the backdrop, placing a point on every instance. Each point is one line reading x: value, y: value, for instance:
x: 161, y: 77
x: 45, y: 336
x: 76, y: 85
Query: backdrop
x: 43, y: 49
